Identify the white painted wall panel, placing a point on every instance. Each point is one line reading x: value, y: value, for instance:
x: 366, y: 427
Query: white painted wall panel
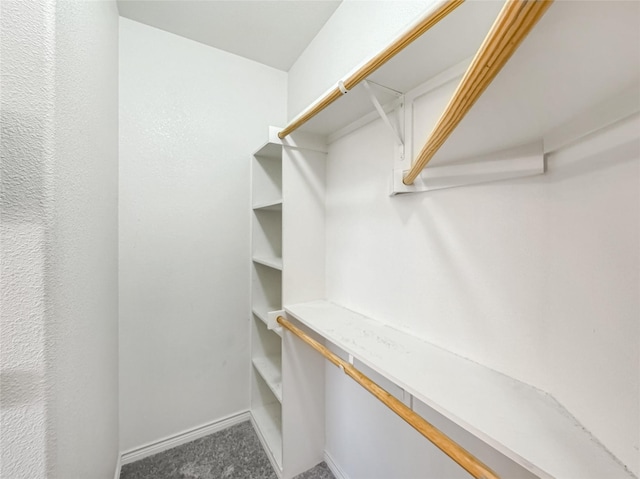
x: 536, y: 278
x: 190, y: 117
x: 84, y: 285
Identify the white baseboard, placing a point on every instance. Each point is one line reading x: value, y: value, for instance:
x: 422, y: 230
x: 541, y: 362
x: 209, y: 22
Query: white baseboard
x: 335, y: 469
x: 182, y: 438
x: 118, y: 467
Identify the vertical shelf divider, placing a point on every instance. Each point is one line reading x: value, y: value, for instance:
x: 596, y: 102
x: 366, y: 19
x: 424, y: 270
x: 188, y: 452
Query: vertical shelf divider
x: 303, y: 278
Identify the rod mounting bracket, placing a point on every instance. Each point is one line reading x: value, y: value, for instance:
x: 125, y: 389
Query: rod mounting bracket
x: 383, y: 115
x: 527, y: 160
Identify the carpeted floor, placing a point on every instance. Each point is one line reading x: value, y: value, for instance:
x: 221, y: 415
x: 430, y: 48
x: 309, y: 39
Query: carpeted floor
x: 321, y: 471
x: 234, y: 453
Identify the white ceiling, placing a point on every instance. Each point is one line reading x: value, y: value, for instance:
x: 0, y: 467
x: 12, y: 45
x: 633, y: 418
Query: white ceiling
x: 273, y: 32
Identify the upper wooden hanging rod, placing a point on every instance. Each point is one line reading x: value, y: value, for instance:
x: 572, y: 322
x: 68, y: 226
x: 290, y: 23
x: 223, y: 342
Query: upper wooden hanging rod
x: 424, y: 24
x: 452, y: 449
x: 516, y: 19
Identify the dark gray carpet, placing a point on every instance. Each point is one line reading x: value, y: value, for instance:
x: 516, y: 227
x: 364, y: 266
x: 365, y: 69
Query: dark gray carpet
x: 234, y: 453
x: 321, y: 471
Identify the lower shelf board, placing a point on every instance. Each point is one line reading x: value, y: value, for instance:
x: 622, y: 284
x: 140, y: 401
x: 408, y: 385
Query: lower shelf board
x: 268, y: 421
x: 263, y: 315
x: 270, y: 368
x: 521, y: 422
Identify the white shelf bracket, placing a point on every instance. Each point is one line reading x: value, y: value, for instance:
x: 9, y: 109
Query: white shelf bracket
x: 407, y: 398
x: 394, y: 132
x: 272, y: 320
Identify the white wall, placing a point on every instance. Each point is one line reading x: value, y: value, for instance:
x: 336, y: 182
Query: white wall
x: 536, y: 278
x: 86, y: 234
x: 59, y: 239
x: 190, y: 117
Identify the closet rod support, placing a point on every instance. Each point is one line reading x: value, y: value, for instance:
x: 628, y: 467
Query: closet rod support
x: 382, y: 114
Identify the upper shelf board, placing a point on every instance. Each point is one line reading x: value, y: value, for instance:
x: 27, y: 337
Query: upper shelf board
x: 269, y: 150
x: 270, y: 261
x: 579, y: 54
x: 521, y: 422
x: 273, y: 205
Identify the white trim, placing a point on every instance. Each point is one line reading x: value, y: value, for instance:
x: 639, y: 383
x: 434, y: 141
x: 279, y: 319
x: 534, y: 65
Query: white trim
x: 116, y: 475
x: 333, y: 466
x: 183, y: 437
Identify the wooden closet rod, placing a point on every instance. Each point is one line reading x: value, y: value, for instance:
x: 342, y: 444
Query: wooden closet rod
x: 516, y: 19
x: 372, y: 65
x: 461, y: 456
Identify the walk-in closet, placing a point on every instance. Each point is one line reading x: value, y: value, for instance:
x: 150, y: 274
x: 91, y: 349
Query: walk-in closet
x: 320, y: 239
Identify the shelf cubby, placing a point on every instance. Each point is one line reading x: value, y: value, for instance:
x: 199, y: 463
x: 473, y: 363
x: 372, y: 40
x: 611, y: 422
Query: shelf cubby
x: 270, y: 369
x: 267, y: 289
x: 267, y: 175
x: 268, y: 420
x: 267, y: 237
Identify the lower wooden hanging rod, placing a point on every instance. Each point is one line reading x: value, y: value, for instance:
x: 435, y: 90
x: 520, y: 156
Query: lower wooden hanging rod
x: 516, y: 19
x: 452, y: 449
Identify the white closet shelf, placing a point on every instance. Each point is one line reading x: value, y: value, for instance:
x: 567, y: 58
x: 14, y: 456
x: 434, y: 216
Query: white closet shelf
x: 562, y: 69
x: 269, y: 150
x: 525, y: 424
x: 267, y: 420
x: 270, y: 368
x: 262, y: 314
x: 270, y: 261
x: 273, y: 205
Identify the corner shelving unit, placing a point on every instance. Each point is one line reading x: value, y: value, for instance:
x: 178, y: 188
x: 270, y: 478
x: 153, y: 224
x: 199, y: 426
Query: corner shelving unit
x: 286, y: 401
x: 266, y: 279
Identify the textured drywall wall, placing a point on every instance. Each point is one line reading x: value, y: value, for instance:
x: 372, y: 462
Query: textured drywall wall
x: 190, y: 117
x: 59, y: 400
x: 27, y: 46
x: 357, y: 30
